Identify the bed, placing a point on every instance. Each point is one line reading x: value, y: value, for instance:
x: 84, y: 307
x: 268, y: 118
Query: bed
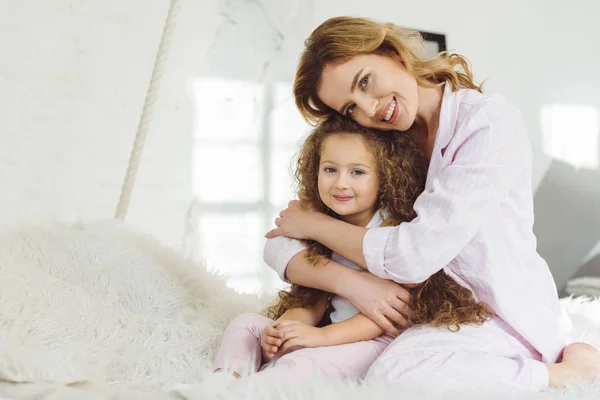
x: 98, y: 310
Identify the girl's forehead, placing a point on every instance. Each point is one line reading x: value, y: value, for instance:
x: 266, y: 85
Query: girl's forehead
x: 347, y: 145
x: 348, y: 138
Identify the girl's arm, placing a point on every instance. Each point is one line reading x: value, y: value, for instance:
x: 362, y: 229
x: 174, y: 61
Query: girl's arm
x: 305, y: 318
x: 355, y: 329
x: 295, y: 334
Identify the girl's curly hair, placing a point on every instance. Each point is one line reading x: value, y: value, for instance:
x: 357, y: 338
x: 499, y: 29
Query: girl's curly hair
x: 402, y: 171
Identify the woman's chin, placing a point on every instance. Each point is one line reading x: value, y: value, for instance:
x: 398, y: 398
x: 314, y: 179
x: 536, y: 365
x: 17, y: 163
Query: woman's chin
x: 402, y: 125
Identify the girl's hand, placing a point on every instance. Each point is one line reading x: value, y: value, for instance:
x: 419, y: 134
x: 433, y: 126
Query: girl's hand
x: 297, y: 334
x: 272, y: 339
x: 297, y: 222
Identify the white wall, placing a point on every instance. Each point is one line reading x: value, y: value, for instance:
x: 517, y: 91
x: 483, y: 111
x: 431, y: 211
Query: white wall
x: 73, y: 77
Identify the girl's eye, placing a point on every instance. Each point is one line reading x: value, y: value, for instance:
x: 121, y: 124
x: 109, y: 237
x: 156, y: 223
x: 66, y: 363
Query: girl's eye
x: 358, y: 172
x: 330, y: 170
x: 364, y: 82
x: 350, y: 109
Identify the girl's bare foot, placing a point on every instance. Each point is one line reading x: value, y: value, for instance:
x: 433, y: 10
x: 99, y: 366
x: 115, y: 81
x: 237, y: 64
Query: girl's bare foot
x: 580, y: 361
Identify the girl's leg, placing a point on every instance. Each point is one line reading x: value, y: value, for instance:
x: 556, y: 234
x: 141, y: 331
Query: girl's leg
x: 480, y: 357
x: 241, y: 350
x: 301, y: 367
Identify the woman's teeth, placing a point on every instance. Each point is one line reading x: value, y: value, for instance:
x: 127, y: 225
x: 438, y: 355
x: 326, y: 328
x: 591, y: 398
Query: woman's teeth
x: 390, y: 111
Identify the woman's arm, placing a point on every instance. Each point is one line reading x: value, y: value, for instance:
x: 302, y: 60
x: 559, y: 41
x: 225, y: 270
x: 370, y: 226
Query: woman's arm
x: 347, y: 238
x: 278, y: 252
x: 279, y: 248
x: 492, y: 154
x: 381, y: 300
x: 287, y: 257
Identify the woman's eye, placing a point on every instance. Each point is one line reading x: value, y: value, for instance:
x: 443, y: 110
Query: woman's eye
x: 364, y: 82
x: 358, y: 172
x: 350, y: 109
x: 330, y: 170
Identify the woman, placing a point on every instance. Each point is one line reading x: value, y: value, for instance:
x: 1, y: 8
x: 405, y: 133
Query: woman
x: 474, y: 221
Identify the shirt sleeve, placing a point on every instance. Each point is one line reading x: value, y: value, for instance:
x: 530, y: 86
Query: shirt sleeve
x: 492, y: 153
x: 279, y: 251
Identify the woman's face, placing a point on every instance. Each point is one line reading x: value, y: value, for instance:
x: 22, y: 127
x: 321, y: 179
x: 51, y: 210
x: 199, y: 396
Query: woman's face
x: 375, y: 90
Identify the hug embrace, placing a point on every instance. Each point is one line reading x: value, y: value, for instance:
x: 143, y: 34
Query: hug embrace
x: 410, y: 251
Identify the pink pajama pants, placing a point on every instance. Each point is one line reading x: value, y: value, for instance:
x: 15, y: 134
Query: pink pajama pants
x: 241, y: 351
x: 483, y: 357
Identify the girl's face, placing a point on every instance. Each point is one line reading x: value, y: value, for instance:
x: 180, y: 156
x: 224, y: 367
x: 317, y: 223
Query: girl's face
x: 348, y: 181
x: 375, y: 90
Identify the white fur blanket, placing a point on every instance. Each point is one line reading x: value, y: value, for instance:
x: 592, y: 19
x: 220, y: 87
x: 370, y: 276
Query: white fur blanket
x: 99, y: 311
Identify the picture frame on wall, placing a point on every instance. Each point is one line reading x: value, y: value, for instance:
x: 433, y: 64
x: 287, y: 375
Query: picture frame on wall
x: 433, y: 43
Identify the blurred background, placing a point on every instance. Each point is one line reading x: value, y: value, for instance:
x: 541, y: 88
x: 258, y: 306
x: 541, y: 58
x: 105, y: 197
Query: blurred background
x: 220, y: 153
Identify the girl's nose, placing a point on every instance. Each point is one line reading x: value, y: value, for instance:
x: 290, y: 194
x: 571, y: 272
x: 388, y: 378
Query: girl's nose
x: 341, y: 182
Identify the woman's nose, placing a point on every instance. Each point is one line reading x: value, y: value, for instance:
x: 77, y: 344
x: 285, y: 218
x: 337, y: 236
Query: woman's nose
x: 368, y: 105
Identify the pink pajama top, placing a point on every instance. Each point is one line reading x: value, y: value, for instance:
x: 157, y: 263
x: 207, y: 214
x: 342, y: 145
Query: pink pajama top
x: 475, y: 221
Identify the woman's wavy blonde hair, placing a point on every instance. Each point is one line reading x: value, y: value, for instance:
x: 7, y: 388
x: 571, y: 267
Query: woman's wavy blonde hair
x: 340, y: 39
x: 402, y: 171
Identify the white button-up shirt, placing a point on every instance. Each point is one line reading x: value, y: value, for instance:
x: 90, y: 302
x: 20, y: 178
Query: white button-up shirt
x: 474, y: 220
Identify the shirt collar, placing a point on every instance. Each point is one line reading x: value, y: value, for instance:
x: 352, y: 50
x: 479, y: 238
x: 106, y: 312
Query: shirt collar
x: 445, y: 131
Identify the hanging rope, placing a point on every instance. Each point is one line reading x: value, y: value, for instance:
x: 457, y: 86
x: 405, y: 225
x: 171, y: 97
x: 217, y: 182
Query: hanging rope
x: 144, y: 123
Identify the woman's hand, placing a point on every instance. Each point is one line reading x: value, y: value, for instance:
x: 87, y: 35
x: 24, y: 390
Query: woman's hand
x: 297, y: 334
x: 382, y: 301
x: 297, y: 221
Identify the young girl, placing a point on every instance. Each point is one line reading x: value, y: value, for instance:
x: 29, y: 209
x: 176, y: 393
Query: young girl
x: 367, y: 178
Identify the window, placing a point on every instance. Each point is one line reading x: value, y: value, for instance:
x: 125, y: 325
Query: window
x: 245, y: 142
